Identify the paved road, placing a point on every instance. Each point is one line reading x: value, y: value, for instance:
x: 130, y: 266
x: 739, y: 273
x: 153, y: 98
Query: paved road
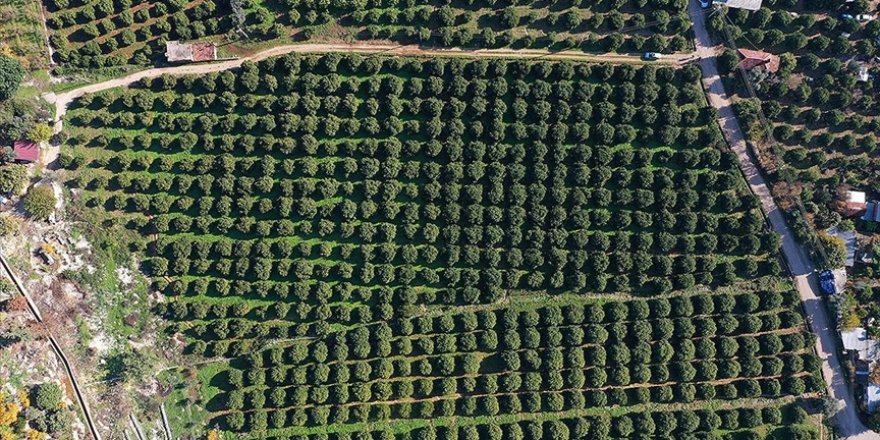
x: 849, y: 425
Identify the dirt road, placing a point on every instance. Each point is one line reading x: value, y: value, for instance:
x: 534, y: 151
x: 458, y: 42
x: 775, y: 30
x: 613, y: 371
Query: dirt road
x: 62, y: 100
x: 849, y: 425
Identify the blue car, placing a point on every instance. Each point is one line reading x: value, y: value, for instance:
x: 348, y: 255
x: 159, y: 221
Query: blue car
x: 826, y: 282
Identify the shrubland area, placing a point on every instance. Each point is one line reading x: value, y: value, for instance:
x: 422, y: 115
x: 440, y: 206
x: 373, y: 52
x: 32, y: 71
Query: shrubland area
x: 391, y: 247
x: 99, y: 33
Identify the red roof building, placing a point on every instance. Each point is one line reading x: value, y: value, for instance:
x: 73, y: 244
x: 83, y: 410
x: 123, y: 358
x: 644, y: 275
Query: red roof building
x: 195, y: 52
x: 204, y: 52
x: 26, y: 151
x: 757, y: 58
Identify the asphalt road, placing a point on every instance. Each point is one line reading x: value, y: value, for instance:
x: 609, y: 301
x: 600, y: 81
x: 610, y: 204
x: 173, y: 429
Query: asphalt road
x: 847, y: 420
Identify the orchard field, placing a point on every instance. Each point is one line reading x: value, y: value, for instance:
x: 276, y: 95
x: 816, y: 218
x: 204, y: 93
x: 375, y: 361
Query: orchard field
x: 99, y: 33
x: 451, y: 247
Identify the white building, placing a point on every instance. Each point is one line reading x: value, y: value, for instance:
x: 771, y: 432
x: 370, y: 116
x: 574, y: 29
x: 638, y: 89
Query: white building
x: 872, y: 398
x: 857, y: 341
x: 751, y: 5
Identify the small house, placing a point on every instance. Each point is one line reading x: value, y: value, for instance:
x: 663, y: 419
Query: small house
x: 175, y: 51
x: 863, y: 74
x: 859, y: 345
x: 855, y: 203
x: 26, y: 151
x: 753, y: 59
x: 750, y: 5
x: 872, y: 212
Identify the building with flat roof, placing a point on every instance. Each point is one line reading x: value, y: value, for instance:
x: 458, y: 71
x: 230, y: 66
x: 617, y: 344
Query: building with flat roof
x: 175, y: 51
x: 856, y: 203
x: 751, y: 5
x: 858, y: 342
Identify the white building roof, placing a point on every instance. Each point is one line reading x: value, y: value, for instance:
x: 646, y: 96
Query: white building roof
x: 839, y: 279
x: 177, y: 51
x: 872, y: 397
x: 863, y: 74
x: 855, y: 196
x: 751, y: 5
x: 857, y: 339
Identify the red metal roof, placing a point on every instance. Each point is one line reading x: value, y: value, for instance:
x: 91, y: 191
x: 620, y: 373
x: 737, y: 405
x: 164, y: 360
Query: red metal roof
x: 204, y: 52
x: 755, y: 58
x: 26, y: 151
x: 854, y: 208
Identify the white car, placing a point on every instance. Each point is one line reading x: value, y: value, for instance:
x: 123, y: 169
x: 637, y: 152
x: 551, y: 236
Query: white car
x: 652, y: 56
x: 864, y: 17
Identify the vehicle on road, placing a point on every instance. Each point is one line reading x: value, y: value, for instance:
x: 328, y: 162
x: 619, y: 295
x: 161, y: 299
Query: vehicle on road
x: 864, y: 17
x: 652, y: 56
x: 826, y: 282
x: 705, y: 3
x: 847, y: 17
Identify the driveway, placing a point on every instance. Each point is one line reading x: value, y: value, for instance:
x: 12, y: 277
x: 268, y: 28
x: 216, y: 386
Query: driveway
x: 800, y: 264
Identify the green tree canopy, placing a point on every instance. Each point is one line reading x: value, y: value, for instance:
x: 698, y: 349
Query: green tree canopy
x: 12, y: 178
x: 47, y: 396
x: 835, y: 251
x: 11, y: 74
x: 40, y: 202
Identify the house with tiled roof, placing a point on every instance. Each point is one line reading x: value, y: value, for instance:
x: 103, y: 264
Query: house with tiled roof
x: 753, y: 59
x: 26, y: 151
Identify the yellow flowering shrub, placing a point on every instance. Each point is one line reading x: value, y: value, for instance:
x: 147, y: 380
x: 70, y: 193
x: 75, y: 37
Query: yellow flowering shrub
x: 36, y: 435
x: 8, y: 413
x: 23, y: 399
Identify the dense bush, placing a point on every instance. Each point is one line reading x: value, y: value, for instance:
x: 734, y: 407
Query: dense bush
x: 11, y: 74
x: 39, y: 202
